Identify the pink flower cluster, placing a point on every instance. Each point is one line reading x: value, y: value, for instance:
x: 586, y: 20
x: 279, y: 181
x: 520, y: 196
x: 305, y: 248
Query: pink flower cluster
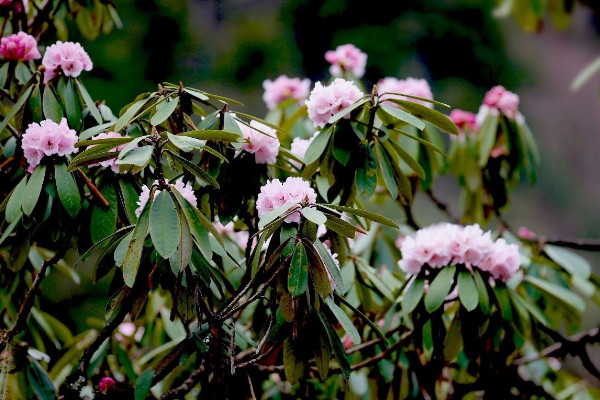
x: 284, y: 88
x: 112, y: 162
x: 228, y: 230
x: 20, y: 47
x: 348, y: 58
x: 68, y: 57
x: 409, y: 86
x: 464, y: 120
x: 292, y: 192
x: 7, y: 3
x: 106, y: 383
x: 503, y: 100
x: 261, y: 141
x: 446, y: 244
x: 47, y: 138
x: 185, y: 189
x: 326, y: 101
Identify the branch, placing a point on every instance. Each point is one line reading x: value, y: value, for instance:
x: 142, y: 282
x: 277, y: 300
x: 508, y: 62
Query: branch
x: 27, y: 304
x: 441, y: 206
x: 93, y: 189
x: 185, y: 387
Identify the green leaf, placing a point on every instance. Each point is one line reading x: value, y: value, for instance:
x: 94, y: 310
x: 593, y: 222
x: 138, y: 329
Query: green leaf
x: 68, y: 192
x: 294, y: 368
x: 453, y: 341
x: 563, y: 294
x: 129, y: 198
x: 164, y: 110
x: 341, y: 114
x: 482, y: 291
x: 362, y: 316
x: 115, y: 142
x: 22, y: 73
x: 34, y: 188
x: 342, y: 227
x: 52, y: 108
x: 330, y: 264
x: 129, y: 114
x: 439, y: 288
x: 273, y: 215
x: 183, y: 255
x: 72, y: 105
x: 365, y: 214
x: 40, y: 382
x: 387, y: 172
x: 487, y: 133
x: 35, y: 104
x: 413, y: 295
x: 222, y: 136
x: 18, y: 105
x: 317, y: 147
x: 366, y: 175
x: 467, y: 291
x: 4, y: 73
x: 573, y: 263
x: 336, y: 345
x: 13, y: 207
x: 91, y: 105
x: 104, y: 220
x: 139, y: 157
x: 186, y: 143
x: 195, y: 169
x: 144, y: 384
x: 428, y: 114
x: 164, y: 224
x: 314, y: 215
x: 298, y: 274
x: 344, y: 320
x: 403, y: 116
x: 407, y: 158
x: 590, y: 70
x: 131, y: 263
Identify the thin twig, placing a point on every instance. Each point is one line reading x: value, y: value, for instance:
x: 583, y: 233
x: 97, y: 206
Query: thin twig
x: 441, y: 206
x: 93, y: 189
x: 185, y: 387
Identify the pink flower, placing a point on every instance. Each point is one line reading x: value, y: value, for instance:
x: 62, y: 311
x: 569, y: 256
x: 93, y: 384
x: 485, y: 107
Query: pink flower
x: 68, y: 57
x: 17, y: 4
x: 293, y: 192
x: 20, y: 47
x: 525, y: 233
x: 109, y: 163
x: 346, y: 57
x: 284, y: 88
x: 185, y: 189
x: 503, y: 100
x: 47, y: 138
x: 409, y: 86
x: 106, y: 383
x: 299, y: 146
x: 326, y: 101
x: 446, y: 244
x: 239, y: 237
x: 261, y: 141
x: 464, y: 120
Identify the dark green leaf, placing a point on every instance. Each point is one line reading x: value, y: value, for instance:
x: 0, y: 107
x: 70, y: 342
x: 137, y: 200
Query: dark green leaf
x: 561, y: 293
x: 34, y: 188
x: 91, y: 105
x: 413, y: 295
x: 18, y: 105
x: 428, y: 114
x: 212, y: 135
x: 144, y: 384
x: 298, y: 274
x: 52, y: 108
x: 68, y: 192
x: 365, y: 214
x: 439, y: 288
x: 366, y: 175
x: 72, y: 105
x: 164, y: 110
x: 131, y: 263
x: 317, y: 147
x: 336, y: 345
x: 332, y: 267
x: 195, y: 169
x: 164, y: 224
x: 344, y: 320
x: 314, y: 215
x: 487, y: 133
x: 104, y: 220
x: 467, y: 291
x: 40, y: 381
x: 387, y: 172
x: 403, y: 116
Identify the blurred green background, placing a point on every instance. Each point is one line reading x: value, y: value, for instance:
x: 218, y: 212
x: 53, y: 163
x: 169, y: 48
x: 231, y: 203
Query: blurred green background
x: 230, y: 47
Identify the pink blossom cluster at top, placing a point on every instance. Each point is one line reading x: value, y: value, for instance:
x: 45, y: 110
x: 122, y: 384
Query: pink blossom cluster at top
x: 261, y: 141
x: 502, y: 100
x: 112, y: 162
x: 185, y: 189
x: 46, y: 139
x: 275, y: 194
x: 326, y: 101
x: 68, y: 57
x: 409, y: 86
x: 20, y: 47
x: 346, y: 57
x: 7, y: 3
x: 284, y: 88
x: 446, y: 244
x: 464, y: 120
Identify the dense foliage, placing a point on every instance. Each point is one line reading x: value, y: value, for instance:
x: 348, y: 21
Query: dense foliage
x: 244, y: 256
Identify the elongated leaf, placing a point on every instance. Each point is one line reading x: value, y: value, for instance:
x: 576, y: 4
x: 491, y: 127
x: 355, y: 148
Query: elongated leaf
x: 341, y: 114
x: 129, y: 198
x: 195, y: 169
x: 365, y: 214
x: 72, y: 105
x: 273, y: 215
x: 336, y: 345
x: 35, y: 104
x: 467, y: 291
x: 590, y: 70
x: 366, y: 175
x: 317, y: 147
x: 344, y: 320
x: 428, y: 114
x: 330, y: 264
x: 139, y: 156
x: 40, y: 382
x: 18, y: 105
x: 482, y: 292
x: 573, y: 263
x: 563, y: 294
x: 34, y: 188
x: 222, y: 136
x: 403, y: 116
x: 342, y: 227
x: 129, y: 114
x: 407, y: 158
x: 164, y: 111
x: 68, y: 192
x: 298, y: 274
x: 52, y: 108
x: 164, y: 225
x: 131, y: 263
x: 439, y: 288
x: 186, y: 143
x: 385, y: 167
x: 314, y: 215
x: 105, y: 142
x: 144, y: 384
x: 104, y: 220
x: 487, y: 132
x: 413, y: 295
x: 91, y: 105
x: 294, y: 368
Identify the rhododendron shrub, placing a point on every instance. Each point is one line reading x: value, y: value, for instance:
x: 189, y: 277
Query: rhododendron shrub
x: 245, y: 257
